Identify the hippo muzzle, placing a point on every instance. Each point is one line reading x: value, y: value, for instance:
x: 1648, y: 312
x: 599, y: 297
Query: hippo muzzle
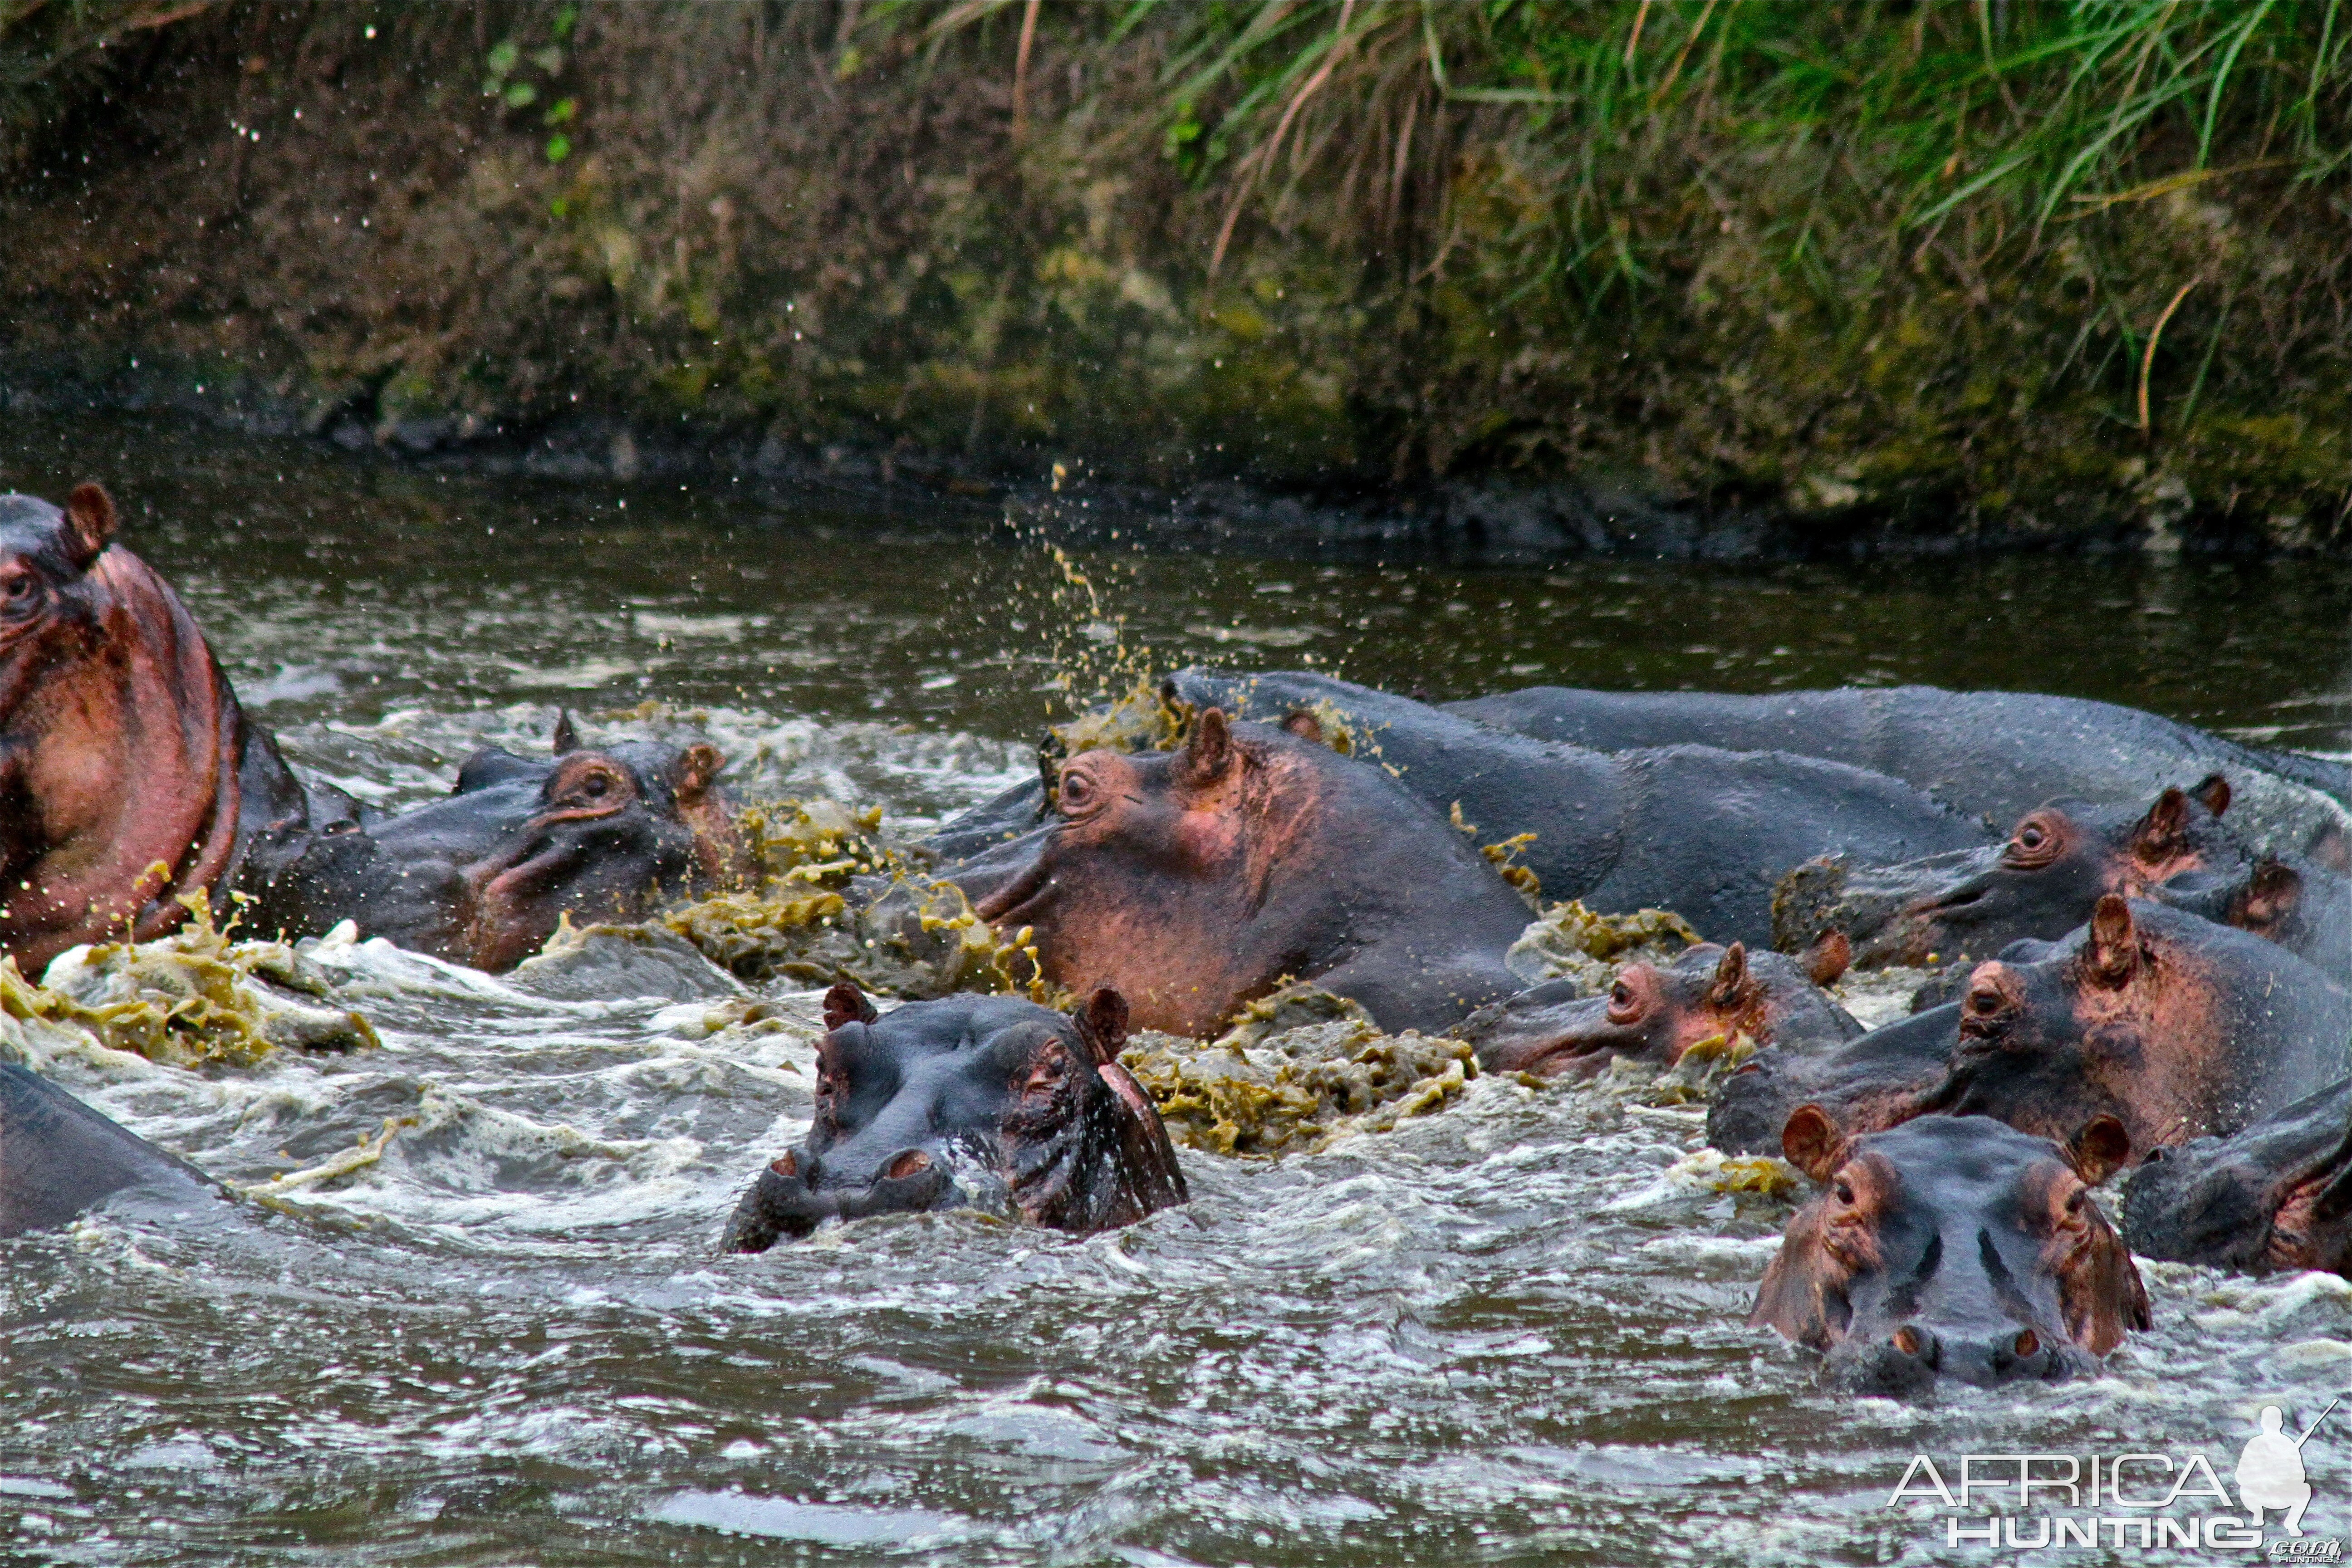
x: 788, y: 1203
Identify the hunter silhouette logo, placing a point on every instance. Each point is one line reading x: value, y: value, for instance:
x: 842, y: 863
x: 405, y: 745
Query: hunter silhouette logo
x: 2119, y: 1503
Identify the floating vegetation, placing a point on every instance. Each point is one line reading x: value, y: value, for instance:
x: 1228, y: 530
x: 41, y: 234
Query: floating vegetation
x: 195, y: 998
x: 833, y: 900
x: 1297, y: 1071
x: 1569, y: 940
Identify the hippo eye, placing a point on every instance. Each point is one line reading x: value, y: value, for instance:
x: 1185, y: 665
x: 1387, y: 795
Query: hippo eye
x: 1076, y: 791
x: 2031, y: 839
x: 1620, y: 994
x: 17, y: 590
x: 595, y: 786
x: 1844, y: 1191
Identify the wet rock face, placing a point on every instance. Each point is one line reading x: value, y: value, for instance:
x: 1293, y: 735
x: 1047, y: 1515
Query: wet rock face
x: 987, y: 1102
x: 1951, y: 1247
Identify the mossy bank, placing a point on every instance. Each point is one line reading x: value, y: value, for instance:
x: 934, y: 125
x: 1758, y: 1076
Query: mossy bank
x: 1499, y: 282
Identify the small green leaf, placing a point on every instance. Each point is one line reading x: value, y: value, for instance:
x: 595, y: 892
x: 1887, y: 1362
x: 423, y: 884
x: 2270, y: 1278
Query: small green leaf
x: 564, y: 20
x: 565, y: 108
x: 521, y: 95
x: 501, y: 58
x: 561, y: 205
x: 548, y: 59
x: 559, y: 147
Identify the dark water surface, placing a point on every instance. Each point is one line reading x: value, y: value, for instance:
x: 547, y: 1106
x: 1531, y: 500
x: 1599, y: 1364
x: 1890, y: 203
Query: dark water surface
x: 1509, y: 1332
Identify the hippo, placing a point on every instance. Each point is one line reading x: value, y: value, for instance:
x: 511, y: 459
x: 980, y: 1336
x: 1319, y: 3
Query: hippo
x: 121, y: 746
x: 1193, y: 881
x: 1705, y: 833
x: 2276, y: 1196
x: 968, y: 1100
x: 1869, y: 1083
x: 1999, y: 753
x: 483, y: 875
x: 2301, y: 905
x: 1953, y: 1246
x: 2177, y: 1027
x: 1656, y: 1011
x: 131, y: 776
x: 2060, y: 857
x: 59, y: 1157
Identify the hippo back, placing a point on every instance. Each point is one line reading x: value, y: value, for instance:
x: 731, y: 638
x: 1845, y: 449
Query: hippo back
x: 58, y: 1157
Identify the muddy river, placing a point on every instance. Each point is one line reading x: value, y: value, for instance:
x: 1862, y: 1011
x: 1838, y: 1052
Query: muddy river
x: 1504, y: 1332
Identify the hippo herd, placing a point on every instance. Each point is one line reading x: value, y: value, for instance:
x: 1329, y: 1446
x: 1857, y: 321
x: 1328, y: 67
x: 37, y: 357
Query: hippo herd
x: 2141, y: 984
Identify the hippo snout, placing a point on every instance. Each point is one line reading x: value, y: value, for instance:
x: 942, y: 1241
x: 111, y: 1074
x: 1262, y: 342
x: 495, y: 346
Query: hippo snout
x: 1909, y: 1361
x: 795, y: 1194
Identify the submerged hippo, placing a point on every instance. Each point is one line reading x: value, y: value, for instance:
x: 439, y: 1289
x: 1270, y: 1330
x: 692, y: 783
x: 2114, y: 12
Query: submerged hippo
x: 1996, y: 753
x: 986, y: 1100
x: 1195, y: 880
x: 1656, y: 1011
x: 2060, y: 859
x: 2276, y: 1196
x: 1702, y: 832
x: 123, y: 749
x: 1869, y: 1083
x: 2301, y: 905
x: 2177, y: 1027
x: 482, y: 876
x: 60, y: 1158
x: 1954, y: 1247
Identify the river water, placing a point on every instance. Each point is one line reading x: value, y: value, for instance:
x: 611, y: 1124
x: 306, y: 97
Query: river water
x: 1505, y: 1333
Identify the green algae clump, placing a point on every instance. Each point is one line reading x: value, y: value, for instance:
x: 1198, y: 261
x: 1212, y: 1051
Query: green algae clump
x: 834, y: 900
x: 1297, y: 1071
x: 195, y: 998
x: 1569, y: 940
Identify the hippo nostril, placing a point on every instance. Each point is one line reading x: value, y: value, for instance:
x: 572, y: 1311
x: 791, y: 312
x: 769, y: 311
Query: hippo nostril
x: 912, y: 1162
x: 1907, y: 1341
x: 2028, y: 1344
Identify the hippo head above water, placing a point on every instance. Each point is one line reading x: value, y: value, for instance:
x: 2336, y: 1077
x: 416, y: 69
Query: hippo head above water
x: 2177, y: 1027
x: 1951, y: 1247
x: 986, y: 1100
x: 483, y: 875
x: 121, y: 746
x: 2060, y: 859
x: 1656, y: 1011
x: 1195, y: 880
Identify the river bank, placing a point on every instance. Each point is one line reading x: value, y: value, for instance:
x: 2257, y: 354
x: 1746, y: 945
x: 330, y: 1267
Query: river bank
x: 945, y: 252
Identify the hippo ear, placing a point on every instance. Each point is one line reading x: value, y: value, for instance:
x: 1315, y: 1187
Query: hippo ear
x: 1210, y: 751
x: 1305, y: 725
x: 566, y: 740
x: 2272, y: 894
x: 1829, y: 958
x: 2213, y: 792
x: 2112, y: 952
x: 89, y: 523
x: 2162, y: 833
x: 1811, y: 1141
x: 1102, y: 1025
x: 1730, y: 977
x: 2099, y: 1148
x: 845, y: 1004
x: 691, y: 774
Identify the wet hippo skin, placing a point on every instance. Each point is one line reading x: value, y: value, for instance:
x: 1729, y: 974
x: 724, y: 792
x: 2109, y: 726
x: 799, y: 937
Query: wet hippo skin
x: 59, y: 1157
x: 1951, y: 1247
x: 942, y: 1103
x: 1705, y: 833
x: 1996, y: 753
x: 2058, y: 860
x: 2273, y: 1196
x: 1193, y: 881
x: 123, y: 748
x: 1656, y: 1011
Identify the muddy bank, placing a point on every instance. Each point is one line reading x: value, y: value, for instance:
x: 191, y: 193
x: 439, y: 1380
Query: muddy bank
x: 830, y: 248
